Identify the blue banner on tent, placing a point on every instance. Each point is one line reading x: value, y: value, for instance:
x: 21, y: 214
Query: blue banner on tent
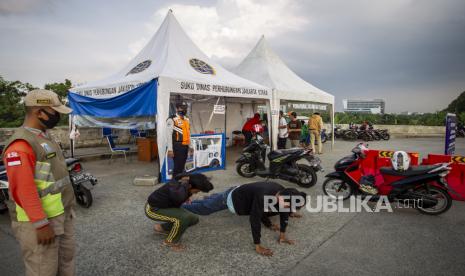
x: 141, y: 101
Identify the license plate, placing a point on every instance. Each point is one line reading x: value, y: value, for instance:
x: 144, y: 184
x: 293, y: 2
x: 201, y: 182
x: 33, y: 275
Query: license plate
x: 81, y: 177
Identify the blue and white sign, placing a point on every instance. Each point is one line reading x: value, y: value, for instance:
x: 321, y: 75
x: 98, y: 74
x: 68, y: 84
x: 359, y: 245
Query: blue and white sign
x: 451, y: 130
x: 208, y: 152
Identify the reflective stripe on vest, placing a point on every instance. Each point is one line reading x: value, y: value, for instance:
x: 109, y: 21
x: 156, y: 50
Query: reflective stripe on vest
x: 181, y: 130
x: 49, y: 192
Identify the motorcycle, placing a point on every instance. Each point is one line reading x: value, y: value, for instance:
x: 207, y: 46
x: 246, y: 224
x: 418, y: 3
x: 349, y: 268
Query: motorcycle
x: 383, y: 134
x: 283, y: 163
x: 365, y: 135
x: 424, y: 185
x: 81, y: 181
x: 338, y: 132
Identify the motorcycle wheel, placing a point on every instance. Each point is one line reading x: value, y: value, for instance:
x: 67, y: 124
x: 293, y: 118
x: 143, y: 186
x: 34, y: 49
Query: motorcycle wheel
x: 350, y: 135
x: 83, y: 197
x: 307, y: 176
x: 3, y: 208
x: 243, y: 169
x: 386, y: 136
x: 324, y: 138
x: 337, y: 188
x: 436, y: 193
x: 3, y: 199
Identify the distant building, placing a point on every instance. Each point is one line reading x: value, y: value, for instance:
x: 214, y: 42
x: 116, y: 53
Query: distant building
x: 364, y: 106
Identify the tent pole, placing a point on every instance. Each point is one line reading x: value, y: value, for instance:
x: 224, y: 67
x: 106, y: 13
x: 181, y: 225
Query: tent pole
x: 71, y: 141
x: 332, y: 127
x: 225, y: 116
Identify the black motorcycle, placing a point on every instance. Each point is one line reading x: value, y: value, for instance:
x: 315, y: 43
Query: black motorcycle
x: 424, y: 186
x: 383, y: 134
x: 283, y: 163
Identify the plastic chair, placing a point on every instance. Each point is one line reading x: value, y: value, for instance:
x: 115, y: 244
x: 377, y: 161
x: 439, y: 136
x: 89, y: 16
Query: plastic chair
x: 106, y: 131
x: 135, y: 133
x: 116, y: 150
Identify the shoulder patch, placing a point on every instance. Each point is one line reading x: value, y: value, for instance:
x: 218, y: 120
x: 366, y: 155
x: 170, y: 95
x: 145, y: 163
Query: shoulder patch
x: 13, y: 159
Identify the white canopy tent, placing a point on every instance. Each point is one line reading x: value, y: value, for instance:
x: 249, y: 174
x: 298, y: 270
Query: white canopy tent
x: 180, y: 68
x: 264, y: 66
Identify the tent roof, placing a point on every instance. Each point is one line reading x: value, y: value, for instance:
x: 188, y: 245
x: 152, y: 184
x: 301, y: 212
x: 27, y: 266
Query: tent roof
x: 264, y: 66
x: 168, y: 54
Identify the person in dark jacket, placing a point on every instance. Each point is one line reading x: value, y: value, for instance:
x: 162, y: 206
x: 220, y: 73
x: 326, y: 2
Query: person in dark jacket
x: 164, y: 205
x: 251, y: 200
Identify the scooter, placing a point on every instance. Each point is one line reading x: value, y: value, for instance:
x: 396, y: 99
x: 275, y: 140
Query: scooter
x: 424, y: 186
x: 283, y: 163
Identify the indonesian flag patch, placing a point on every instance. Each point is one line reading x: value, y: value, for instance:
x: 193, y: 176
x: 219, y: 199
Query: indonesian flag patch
x: 13, y: 159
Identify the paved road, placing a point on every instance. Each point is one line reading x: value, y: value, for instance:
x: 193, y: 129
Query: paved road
x: 115, y: 238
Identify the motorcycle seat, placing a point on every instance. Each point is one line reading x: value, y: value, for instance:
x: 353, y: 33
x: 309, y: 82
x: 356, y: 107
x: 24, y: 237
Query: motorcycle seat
x: 278, y: 153
x: 71, y: 161
x: 287, y: 151
x: 412, y: 171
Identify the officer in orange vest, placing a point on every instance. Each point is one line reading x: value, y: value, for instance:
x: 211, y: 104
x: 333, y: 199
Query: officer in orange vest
x: 178, y: 137
x: 42, y: 198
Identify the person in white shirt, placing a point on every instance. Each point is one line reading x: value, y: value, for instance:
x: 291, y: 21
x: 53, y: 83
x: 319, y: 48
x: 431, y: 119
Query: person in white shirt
x: 283, y: 131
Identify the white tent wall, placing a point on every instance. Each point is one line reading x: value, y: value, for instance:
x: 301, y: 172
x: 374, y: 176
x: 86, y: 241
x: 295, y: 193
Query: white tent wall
x: 236, y: 115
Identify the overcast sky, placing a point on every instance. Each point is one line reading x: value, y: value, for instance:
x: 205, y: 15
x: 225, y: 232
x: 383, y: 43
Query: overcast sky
x: 409, y: 52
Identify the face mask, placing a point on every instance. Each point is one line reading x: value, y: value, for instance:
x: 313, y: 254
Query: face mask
x: 52, y: 121
x: 182, y: 112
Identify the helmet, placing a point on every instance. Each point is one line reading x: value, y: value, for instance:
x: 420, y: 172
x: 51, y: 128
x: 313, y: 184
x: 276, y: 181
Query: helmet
x: 400, y: 161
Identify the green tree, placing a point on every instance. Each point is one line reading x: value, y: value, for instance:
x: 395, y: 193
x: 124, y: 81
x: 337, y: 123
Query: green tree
x: 11, y: 108
x: 458, y: 105
x: 61, y: 88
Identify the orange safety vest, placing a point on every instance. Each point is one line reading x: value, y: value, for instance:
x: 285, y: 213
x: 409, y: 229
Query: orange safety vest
x: 181, y: 130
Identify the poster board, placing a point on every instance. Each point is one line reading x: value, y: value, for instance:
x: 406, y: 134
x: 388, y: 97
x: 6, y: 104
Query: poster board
x: 207, y: 153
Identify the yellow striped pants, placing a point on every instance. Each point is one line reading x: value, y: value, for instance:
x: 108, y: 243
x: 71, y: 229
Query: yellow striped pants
x: 177, y: 220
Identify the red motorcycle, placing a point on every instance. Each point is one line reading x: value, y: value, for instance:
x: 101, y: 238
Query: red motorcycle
x: 423, y: 185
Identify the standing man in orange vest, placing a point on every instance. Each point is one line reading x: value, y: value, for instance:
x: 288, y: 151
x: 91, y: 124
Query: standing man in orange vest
x: 178, y: 137
x: 42, y: 198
